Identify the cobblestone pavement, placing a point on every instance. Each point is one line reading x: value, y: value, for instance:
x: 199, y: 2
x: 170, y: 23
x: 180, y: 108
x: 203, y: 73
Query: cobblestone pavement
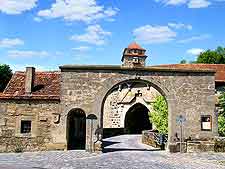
x: 121, y: 152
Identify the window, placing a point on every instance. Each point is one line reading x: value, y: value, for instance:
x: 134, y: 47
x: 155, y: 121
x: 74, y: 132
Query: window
x: 25, y: 126
x: 206, y: 123
x: 135, y: 60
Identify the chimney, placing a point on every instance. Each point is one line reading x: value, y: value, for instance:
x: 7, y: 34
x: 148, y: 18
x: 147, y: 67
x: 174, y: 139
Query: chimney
x: 29, y: 79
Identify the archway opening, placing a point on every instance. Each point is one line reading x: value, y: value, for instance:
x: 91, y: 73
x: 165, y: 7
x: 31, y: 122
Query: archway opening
x: 133, y: 106
x: 137, y: 119
x: 76, y: 130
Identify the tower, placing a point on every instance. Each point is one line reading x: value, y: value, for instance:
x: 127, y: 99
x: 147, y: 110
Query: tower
x: 133, y: 56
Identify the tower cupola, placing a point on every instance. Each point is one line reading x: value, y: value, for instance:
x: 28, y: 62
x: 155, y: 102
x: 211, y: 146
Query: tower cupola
x: 134, y: 56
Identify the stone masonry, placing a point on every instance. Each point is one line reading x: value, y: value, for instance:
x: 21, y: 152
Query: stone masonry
x: 43, y: 131
x: 104, y: 94
x: 190, y: 93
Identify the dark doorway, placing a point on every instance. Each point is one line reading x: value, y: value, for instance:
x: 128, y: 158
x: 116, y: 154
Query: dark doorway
x: 76, y: 130
x: 137, y: 119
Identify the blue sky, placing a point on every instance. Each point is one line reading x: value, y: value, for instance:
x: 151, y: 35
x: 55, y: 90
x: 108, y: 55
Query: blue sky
x: 50, y: 33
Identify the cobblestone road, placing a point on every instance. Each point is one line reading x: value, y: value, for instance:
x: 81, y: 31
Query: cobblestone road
x: 121, y: 152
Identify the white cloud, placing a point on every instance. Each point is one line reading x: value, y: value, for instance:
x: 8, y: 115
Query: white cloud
x: 82, y: 48
x: 8, y: 43
x: 175, y: 2
x: 154, y: 34
x: 195, y: 51
x: 194, y: 38
x: 78, y: 10
x: 27, y: 54
x: 37, y: 19
x: 94, y: 35
x: 198, y: 3
x: 14, y: 7
x: 180, y: 26
x: 188, y: 3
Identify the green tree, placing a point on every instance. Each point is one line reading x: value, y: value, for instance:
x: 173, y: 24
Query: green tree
x: 212, y: 56
x: 183, y: 61
x: 159, y: 115
x: 5, y: 76
x: 221, y: 116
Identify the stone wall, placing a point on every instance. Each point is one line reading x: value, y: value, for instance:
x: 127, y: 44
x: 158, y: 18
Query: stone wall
x: 44, y: 117
x: 148, y: 138
x: 220, y: 144
x: 121, y: 100
x: 200, y: 146
x: 129, y: 61
x: 190, y: 93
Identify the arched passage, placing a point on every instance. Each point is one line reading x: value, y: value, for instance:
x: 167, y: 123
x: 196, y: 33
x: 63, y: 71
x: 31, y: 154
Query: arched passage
x: 76, y: 129
x: 124, y: 101
x: 137, y: 119
x: 114, y: 84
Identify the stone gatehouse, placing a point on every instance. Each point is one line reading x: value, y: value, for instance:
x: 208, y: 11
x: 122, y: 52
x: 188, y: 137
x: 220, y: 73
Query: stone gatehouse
x: 66, y: 109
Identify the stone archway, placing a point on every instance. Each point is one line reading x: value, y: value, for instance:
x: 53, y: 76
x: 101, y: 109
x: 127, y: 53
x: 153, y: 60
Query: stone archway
x: 76, y: 129
x: 190, y: 93
x: 125, y: 112
x: 123, y: 102
x: 137, y: 119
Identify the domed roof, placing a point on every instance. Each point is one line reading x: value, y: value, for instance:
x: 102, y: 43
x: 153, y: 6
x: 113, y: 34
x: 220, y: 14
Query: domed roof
x: 134, y: 45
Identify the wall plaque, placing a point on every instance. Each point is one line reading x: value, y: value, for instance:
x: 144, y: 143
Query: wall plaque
x: 56, y: 118
x: 206, y: 123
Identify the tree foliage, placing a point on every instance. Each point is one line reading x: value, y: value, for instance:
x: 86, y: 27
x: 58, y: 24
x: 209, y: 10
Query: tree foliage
x: 5, y: 76
x: 159, y: 115
x: 212, y: 56
x: 183, y: 61
x: 221, y: 116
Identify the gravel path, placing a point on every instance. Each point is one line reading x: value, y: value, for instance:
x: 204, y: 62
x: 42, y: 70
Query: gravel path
x: 122, y: 152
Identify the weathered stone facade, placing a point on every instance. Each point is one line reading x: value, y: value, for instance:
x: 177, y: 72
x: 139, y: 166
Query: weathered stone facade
x: 120, y: 100
x: 103, y: 94
x: 190, y: 93
x: 132, y: 62
x: 43, y: 131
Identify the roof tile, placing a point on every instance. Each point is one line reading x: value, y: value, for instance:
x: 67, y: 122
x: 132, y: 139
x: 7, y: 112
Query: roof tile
x: 46, y: 86
x: 219, y: 68
x: 134, y: 45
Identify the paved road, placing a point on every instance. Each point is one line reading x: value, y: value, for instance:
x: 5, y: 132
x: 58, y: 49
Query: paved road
x: 122, y: 152
x: 126, y: 143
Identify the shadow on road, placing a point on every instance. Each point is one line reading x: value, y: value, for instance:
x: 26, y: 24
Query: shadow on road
x: 109, y: 143
x: 110, y: 149
x: 107, y: 150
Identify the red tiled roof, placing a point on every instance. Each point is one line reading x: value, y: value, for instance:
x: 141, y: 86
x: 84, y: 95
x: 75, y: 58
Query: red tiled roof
x: 46, y: 86
x: 135, y: 54
x: 134, y: 45
x: 219, y: 68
